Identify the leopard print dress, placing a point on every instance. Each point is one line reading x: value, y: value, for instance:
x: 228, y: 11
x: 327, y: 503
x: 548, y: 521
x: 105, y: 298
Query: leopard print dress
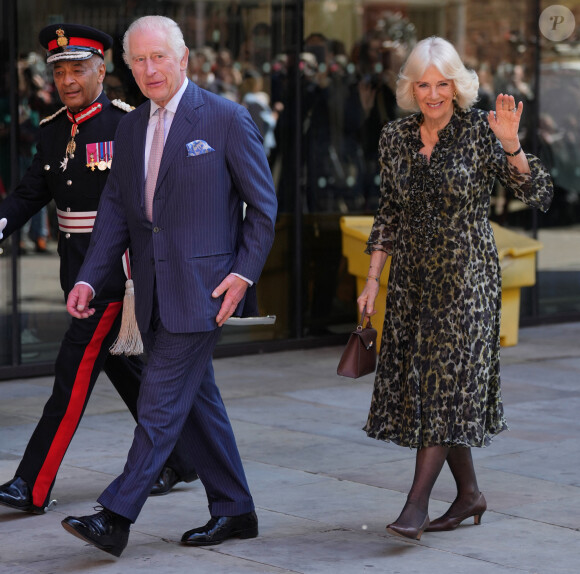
x: 438, y: 379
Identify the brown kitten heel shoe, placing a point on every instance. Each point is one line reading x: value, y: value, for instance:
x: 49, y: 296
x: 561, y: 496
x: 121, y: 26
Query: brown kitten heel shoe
x: 407, y: 531
x: 450, y: 522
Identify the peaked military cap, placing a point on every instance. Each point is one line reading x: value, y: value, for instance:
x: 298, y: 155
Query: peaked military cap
x: 73, y: 42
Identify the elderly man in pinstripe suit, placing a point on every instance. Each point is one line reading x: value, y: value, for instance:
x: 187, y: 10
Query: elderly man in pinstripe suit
x: 195, y: 257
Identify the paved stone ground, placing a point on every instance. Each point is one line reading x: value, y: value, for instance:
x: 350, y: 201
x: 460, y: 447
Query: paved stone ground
x: 323, y: 490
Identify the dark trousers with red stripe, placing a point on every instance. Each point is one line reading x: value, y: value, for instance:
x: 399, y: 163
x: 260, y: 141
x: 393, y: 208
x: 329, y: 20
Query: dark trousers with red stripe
x: 84, y: 352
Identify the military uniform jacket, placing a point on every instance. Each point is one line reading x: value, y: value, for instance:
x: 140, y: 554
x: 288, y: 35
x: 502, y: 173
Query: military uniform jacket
x: 76, y: 189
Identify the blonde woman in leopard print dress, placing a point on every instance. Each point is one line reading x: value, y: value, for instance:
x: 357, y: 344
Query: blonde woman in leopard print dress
x: 437, y: 387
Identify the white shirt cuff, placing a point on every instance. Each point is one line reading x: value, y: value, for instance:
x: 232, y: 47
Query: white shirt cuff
x: 85, y: 283
x: 244, y: 278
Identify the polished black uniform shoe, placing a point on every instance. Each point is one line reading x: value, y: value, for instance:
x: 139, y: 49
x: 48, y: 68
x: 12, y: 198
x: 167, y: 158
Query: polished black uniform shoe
x: 105, y: 530
x: 17, y: 495
x: 167, y: 480
x: 220, y: 528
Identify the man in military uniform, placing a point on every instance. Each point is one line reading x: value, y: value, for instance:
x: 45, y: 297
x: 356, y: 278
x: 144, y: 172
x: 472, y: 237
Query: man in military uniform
x: 73, y: 159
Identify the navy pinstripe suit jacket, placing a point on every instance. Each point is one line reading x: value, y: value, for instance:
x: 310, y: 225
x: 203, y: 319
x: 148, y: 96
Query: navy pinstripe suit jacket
x: 198, y: 234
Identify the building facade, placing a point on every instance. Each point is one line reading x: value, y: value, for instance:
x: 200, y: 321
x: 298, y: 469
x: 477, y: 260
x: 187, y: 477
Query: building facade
x: 318, y: 76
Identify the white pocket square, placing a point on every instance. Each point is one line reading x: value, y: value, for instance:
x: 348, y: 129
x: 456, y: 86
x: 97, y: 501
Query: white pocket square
x: 198, y: 147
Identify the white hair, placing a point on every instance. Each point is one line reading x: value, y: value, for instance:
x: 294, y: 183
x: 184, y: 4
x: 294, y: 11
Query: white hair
x: 435, y: 51
x: 171, y: 30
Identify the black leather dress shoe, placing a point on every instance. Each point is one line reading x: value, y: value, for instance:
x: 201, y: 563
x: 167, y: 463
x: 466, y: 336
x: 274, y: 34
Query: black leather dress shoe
x: 167, y: 480
x: 105, y: 530
x: 220, y: 528
x: 16, y: 495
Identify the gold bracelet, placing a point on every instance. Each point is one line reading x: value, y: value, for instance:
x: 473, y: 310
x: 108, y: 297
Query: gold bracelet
x: 377, y: 279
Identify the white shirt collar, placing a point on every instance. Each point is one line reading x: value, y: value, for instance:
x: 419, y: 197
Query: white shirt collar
x: 173, y: 102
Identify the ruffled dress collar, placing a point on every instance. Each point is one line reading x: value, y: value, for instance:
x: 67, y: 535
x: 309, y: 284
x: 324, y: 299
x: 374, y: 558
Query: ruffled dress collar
x: 447, y: 135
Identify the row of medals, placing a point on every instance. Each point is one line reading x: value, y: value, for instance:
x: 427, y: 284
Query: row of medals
x: 71, y: 147
x: 102, y: 165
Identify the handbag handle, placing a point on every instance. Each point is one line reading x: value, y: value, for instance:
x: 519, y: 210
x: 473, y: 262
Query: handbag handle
x: 362, y: 319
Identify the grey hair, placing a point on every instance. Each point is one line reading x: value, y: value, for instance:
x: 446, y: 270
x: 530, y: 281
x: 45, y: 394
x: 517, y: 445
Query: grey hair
x: 435, y: 51
x: 171, y: 30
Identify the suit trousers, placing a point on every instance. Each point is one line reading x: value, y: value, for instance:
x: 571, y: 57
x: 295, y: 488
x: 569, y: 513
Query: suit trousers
x: 179, y: 402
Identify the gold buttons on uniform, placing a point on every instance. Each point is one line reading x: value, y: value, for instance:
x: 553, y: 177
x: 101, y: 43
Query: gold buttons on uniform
x: 67, y: 235
x: 46, y: 167
x: 69, y: 182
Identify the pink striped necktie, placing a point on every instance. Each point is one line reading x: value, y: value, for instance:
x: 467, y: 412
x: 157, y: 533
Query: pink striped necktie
x: 154, y: 161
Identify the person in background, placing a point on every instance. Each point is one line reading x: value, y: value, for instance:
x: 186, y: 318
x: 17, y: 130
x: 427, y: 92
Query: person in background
x: 258, y: 103
x: 35, y: 103
x: 437, y: 386
x: 186, y: 162
x: 71, y: 166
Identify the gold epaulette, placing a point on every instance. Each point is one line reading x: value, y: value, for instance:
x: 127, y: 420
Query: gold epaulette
x: 50, y: 118
x: 123, y: 105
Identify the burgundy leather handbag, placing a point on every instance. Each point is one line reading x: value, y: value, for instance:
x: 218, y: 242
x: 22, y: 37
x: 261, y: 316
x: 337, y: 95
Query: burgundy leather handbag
x: 360, y: 354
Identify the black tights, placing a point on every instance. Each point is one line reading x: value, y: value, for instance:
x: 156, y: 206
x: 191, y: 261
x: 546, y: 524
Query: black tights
x: 428, y: 465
